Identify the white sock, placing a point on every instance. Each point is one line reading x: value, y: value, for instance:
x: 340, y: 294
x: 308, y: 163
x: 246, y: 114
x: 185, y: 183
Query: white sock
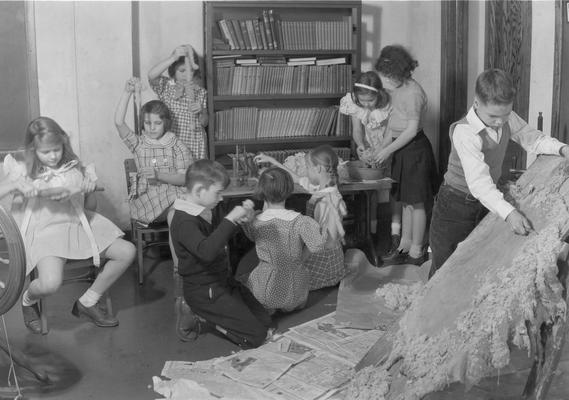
x: 26, y: 301
x: 89, y: 298
x: 395, y: 228
x: 416, y: 251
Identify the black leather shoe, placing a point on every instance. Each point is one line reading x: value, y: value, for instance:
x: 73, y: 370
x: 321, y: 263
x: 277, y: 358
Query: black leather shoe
x: 418, y: 261
x: 188, y: 325
x: 397, y: 257
x: 32, y: 318
x: 94, y: 314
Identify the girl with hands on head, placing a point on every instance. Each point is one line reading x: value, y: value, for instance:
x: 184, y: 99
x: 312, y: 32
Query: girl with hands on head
x: 183, y: 93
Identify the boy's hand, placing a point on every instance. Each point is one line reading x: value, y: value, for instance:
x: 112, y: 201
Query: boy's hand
x: 237, y: 214
x: 263, y: 158
x: 519, y: 223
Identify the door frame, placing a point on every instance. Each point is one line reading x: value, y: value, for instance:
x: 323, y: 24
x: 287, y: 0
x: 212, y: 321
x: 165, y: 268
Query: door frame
x: 560, y: 65
x: 454, y: 73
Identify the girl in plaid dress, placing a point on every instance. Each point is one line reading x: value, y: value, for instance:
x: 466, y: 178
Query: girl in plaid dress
x: 327, y: 207
x: 161, y: 159
x: 184, y: 96
x: 281, y: 280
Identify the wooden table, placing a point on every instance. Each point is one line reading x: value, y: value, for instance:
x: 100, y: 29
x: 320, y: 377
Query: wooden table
x: 364, y: 193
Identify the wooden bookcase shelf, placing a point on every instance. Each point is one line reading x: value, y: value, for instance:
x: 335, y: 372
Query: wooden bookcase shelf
x: 273, y: 104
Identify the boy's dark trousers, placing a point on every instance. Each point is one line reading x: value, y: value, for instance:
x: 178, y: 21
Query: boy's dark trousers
x: 231, y: 306
x: 455, y: 215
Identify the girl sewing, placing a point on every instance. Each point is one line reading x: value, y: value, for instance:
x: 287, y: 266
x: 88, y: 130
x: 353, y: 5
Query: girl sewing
x: 53, y: 204
x: 281, y: 280
x: 327, y: 207
x: 161, y: 159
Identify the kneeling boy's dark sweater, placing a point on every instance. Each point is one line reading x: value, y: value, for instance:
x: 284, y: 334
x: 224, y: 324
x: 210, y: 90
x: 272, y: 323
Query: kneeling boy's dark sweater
x: 200, y: 248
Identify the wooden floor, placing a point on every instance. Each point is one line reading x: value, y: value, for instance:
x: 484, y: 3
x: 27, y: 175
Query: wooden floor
x: 86, y: 362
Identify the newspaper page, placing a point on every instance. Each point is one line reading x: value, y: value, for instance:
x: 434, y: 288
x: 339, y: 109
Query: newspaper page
x: 312, y: 378
x: 259, y: 367
x: 325, y: 335
x: 204, y: 374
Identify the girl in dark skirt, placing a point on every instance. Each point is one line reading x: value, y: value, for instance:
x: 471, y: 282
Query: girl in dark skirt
x: 413, y: 164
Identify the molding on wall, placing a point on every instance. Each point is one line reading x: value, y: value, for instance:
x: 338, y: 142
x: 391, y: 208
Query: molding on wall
x: 33, y: 87
x: 454, y: 72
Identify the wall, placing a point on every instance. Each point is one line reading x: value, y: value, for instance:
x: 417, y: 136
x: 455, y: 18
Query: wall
x: 417, y: 26
x: 84, y: 56
x: 542, y: 51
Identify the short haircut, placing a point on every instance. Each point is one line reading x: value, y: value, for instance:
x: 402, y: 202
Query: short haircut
x: 396, y: 62
x: 275, y: 185
x: 495, y: 86
x: 206, y: 172
x: 159, y: 108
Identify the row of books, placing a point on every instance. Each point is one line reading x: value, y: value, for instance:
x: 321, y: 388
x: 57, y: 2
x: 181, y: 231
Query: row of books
x: 232, y: 60
x: 268, y: 33
x: 283, y: 80
x: 241, y: 123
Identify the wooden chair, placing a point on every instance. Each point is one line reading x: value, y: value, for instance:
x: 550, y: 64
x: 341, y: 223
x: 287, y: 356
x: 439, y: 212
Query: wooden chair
x: 143, y: 235
x: 74, y: 271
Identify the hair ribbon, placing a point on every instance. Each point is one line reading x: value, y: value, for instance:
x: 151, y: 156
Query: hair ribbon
x: 362, y: 85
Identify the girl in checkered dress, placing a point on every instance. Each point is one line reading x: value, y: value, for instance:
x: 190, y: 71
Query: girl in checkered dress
x: 161, y: 159
x: 282, y: 237
x: 327, y: 207
x: 184, y: 96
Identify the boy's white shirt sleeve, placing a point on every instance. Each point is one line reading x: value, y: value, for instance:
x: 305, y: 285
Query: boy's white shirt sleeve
x: 468, y: 145
x: 532, y: 140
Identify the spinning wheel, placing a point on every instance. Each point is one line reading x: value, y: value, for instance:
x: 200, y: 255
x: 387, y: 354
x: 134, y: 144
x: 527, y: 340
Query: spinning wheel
x: 12, y: 262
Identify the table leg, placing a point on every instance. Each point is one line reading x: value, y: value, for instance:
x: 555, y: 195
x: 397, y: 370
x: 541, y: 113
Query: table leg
x: 372, y: 253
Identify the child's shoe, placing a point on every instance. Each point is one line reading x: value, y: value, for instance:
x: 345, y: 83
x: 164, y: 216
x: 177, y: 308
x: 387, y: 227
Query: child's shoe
x: 396, y: 257
x: 418, y: 261
x: 94, y: 314
x: 32, y: 318
x: 188, y: 325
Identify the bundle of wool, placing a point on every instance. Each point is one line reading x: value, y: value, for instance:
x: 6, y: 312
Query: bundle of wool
x: 497, y: 288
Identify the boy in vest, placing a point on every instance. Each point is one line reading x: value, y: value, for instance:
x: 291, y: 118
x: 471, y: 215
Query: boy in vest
x: 478, y: 147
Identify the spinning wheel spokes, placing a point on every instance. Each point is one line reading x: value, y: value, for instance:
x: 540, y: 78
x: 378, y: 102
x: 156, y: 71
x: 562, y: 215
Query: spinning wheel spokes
x: 12, y: 262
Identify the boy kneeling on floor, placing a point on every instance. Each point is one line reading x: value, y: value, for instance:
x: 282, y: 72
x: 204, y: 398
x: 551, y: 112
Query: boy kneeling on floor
x: 216, y: 300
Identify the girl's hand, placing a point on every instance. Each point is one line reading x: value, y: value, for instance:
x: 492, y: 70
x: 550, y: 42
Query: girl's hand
x: 131, y: 84
x: 27, y: 189
x: 360, y: 150
x: 195, y: 108
x: 180, y: 51
x: 380, y: 156
x: 237, y: 214
x: 151, y: 175
x: 263, y: 158
x: 88, y: 186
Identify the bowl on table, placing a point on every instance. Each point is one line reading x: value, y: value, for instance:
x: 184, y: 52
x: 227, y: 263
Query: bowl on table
x: 359, y: 171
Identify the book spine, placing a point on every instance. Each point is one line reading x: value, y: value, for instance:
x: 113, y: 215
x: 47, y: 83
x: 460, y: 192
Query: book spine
x: 237, y: 29
x: 245, y: 34
x: 260, y: 35
x: 272, y: 24
x: 251, y: 33
x: 227, y: 34
x: 267, y: 26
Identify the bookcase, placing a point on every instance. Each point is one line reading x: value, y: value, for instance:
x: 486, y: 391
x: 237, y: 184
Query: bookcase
x: 275, y: 73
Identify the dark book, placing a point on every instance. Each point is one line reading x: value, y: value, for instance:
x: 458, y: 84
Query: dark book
x: 245, y: 34
x: 260, y: 35
x: 267, y: 26
x: 273, y: 27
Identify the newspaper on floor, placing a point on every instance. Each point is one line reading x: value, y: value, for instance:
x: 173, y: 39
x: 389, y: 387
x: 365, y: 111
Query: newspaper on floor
x: 259, y: 367
x: 311, y: 361
x: 326, y: 335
